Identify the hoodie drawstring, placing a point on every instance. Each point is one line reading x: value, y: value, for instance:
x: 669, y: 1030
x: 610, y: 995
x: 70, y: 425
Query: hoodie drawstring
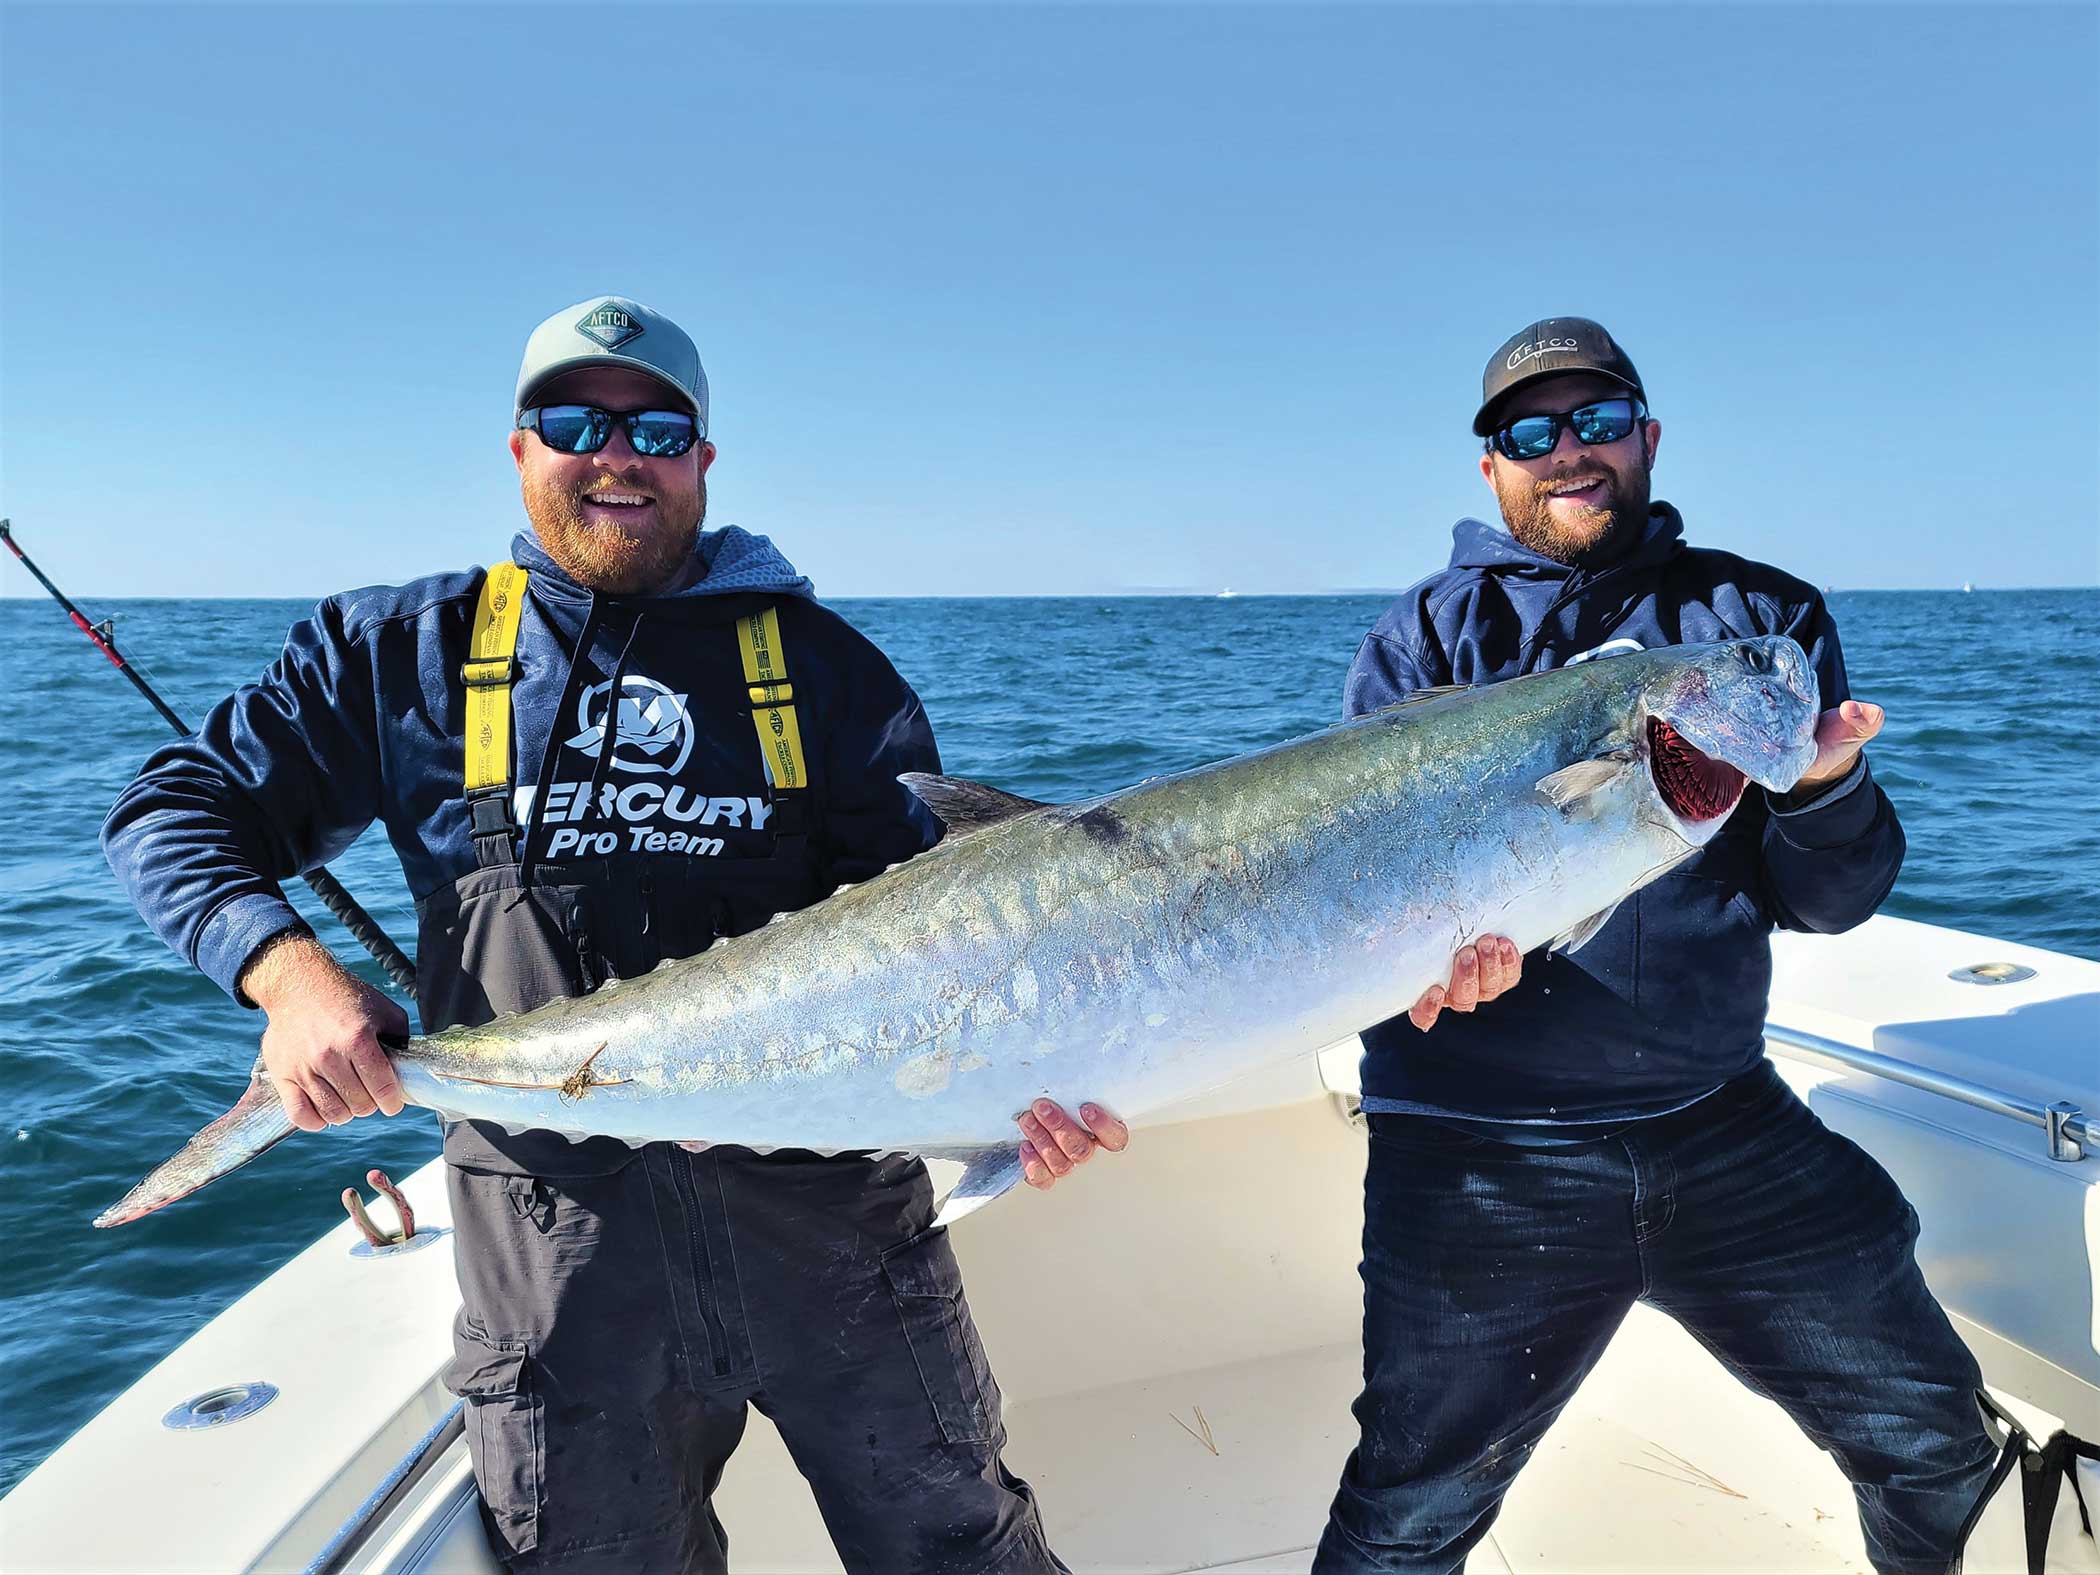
x: 1577, y: 583
x: 550, y: 751
x: 611, y: 739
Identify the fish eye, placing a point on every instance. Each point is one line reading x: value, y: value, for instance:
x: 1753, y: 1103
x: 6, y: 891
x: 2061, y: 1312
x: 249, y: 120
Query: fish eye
x: 1754, y: 657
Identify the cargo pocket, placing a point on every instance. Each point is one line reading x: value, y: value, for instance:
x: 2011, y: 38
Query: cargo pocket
x: 926, y: 1285
x: 504, y: 1433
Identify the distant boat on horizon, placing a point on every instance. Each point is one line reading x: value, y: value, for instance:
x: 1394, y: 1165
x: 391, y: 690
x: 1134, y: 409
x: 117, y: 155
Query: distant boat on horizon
x: 1966, y: 587
x: 1228, y: 591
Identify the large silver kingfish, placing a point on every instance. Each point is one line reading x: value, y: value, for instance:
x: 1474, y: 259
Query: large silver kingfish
x: 1137, y: 948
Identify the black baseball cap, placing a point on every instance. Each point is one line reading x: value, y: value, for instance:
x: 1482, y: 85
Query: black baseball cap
x: 1550, y: 348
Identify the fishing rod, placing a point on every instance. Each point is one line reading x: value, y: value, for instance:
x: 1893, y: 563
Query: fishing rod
x: 325, y: 886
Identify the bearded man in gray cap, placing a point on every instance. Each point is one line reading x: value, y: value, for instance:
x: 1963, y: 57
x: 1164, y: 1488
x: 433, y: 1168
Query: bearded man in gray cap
x: 581, y: 782
x: 1610, y: 1131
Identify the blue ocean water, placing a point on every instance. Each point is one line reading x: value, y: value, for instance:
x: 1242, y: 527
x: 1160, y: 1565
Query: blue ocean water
x: 114, y: 1052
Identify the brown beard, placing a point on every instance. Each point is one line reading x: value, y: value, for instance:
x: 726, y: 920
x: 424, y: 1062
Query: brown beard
x: 1599, y: 535
x: 606, y: 558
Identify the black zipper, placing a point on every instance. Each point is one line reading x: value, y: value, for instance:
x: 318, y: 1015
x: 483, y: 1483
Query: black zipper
x: 688, y: 1194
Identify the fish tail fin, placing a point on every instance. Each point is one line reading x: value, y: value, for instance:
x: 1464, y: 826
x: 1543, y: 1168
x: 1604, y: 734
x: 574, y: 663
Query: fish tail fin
x: 256, y: 1122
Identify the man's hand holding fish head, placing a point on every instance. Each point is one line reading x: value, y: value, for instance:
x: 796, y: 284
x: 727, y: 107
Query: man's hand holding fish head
x: 1841, y: 733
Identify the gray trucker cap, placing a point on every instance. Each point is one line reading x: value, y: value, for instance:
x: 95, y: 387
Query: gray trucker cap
x: 610, y: 330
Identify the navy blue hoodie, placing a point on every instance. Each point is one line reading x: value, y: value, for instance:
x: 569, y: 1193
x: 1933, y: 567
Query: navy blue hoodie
x: 361, y: 720
x: 1667, y: 1002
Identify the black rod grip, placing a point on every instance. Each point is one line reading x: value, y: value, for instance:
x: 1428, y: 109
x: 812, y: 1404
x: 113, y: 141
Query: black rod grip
x: 366, y: 930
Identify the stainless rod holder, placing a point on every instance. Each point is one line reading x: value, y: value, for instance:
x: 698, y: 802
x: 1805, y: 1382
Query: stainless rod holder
x: 2059, y: 1121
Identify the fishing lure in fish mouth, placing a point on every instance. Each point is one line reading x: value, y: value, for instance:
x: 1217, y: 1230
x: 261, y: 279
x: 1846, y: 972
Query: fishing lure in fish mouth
x: 1135, y: 949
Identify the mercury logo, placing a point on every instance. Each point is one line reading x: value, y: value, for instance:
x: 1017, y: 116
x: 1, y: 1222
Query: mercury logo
x: 1532, y: 352
x: 652, y: 731
x: 610, y: 326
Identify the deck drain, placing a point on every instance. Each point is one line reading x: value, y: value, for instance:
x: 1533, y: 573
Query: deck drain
x: 1991, y: 973
x: 216, y: 1407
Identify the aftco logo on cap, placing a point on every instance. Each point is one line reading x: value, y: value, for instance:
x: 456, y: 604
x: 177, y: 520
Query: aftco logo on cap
x: 610, y: 326
x: 1532, y: 352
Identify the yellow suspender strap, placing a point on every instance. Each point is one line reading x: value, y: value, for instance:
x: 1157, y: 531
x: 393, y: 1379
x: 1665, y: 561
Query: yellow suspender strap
x: 488, y: 671
x: 772, y: 699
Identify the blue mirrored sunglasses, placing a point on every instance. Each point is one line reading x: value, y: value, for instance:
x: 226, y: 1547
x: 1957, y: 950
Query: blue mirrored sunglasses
x: 585, y: 429
x: 1606, y: 421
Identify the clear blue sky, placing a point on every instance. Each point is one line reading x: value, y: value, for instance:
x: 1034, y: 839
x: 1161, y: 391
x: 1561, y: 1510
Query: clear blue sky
x: 1038, y: 300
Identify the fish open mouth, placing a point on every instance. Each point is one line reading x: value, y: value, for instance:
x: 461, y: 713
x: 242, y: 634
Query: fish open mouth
x: 1694, y: 785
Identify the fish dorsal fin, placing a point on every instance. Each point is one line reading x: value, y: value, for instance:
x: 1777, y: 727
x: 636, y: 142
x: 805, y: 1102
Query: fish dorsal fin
x: 964, y: 807
x: 1423, y: 696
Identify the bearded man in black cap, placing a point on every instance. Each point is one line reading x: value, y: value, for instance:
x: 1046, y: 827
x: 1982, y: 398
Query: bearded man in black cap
x: 1609, y: 1130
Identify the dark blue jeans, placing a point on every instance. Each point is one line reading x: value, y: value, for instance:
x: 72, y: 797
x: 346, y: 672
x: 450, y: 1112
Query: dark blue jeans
x: 1494, y: 1276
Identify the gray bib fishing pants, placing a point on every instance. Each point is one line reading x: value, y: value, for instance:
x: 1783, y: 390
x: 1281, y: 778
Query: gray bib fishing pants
x: 622, y: 1307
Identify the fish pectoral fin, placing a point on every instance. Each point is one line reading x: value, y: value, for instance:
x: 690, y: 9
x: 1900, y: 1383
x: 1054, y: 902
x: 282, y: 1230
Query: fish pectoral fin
x: 987, y: 1174
x: 1573, y: 789
x: 1581, y: 933
x: 964, y: 807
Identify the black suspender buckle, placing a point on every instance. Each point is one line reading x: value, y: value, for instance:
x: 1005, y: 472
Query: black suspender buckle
x: 491, y: 813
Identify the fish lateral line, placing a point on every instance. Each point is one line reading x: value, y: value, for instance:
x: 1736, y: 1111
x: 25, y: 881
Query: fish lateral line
x: 571, y: 1088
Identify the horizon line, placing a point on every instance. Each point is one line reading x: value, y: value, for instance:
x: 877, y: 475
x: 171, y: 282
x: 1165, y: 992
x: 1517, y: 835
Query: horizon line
x: 1160, y: 594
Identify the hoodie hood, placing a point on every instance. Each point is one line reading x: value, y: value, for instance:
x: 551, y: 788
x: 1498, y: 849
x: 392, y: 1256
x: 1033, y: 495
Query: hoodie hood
x: 1478, y: 545
x: 732, y: 562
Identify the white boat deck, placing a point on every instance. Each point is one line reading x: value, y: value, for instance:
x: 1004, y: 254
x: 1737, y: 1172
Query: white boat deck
x: 1211, y: 1267
x: 1635, y: 1476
